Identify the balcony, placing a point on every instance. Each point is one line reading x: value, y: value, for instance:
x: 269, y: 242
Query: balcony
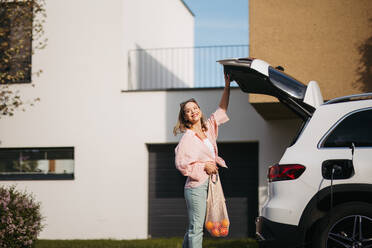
x: 179, y: 68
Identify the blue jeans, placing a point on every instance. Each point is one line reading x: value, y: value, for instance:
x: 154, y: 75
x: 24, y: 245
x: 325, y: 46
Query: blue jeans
x: 196, y: 201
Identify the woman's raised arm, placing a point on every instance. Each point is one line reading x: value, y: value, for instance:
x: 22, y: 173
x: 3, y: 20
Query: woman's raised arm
x: 224, y: 103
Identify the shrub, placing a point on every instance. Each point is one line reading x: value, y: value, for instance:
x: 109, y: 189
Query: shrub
x: 20, y: 218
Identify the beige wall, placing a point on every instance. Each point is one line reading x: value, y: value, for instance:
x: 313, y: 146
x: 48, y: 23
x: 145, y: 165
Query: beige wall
x: 326, y: 41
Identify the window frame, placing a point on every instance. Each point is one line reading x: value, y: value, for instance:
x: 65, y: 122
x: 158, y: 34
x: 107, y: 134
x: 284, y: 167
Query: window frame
x: 334, y: 126
x: 6, y: 176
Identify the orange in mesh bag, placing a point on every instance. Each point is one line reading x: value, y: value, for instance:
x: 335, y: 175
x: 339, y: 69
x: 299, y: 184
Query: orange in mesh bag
x: 216, y: 221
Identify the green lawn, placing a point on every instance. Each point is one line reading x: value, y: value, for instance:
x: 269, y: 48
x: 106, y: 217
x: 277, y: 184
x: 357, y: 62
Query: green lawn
x: 146, y: 243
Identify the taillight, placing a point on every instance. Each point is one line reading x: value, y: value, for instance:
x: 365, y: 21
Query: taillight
x: 281, y: 172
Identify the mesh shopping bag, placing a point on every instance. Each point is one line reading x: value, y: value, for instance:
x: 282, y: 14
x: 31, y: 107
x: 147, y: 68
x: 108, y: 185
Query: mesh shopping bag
x: 216, y: 220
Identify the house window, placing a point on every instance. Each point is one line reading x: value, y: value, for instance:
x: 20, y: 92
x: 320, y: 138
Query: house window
x: 15, y: 42
x: 37, y: 163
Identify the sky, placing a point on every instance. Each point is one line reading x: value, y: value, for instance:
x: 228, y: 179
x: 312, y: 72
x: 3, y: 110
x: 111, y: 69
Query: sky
x: 220, y: 22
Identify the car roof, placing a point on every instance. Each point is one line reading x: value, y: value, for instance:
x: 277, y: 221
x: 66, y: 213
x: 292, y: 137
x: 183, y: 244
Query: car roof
x: 356, y: 97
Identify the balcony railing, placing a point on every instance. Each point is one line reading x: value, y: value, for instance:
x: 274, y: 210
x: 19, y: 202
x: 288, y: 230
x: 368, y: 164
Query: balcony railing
x: 172, y: 68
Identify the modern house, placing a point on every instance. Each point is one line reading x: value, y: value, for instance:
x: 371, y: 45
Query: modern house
x: 98, y: 150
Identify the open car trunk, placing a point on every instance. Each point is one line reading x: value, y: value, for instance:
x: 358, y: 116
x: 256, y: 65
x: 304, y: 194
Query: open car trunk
x: 257, y: 76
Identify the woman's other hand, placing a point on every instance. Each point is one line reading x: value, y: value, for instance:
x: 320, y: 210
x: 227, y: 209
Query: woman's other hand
x: 210, y: 168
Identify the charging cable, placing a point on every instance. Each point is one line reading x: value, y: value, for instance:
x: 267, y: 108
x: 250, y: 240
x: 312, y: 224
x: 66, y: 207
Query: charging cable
x: 338, y: 169
x: 333, y: 172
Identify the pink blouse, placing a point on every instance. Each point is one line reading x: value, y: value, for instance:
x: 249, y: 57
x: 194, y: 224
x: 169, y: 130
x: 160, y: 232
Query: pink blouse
x: 192, y: 153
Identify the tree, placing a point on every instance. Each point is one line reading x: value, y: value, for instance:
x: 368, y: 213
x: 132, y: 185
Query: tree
x: 21, y: 34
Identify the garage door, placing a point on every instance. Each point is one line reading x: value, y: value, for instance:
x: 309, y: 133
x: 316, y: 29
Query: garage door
x: 167, y: 207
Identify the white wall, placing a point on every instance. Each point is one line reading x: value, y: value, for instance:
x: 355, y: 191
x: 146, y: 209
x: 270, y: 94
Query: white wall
x: 82, y: 106
x: 174, y: 27
x: 109, y: 197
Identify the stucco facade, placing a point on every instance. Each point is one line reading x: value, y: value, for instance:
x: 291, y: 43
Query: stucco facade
x: 82, y: 105
x: 85, y: 104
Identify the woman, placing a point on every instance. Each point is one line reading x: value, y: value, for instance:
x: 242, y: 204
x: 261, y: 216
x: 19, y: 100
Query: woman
x: 197, y: 158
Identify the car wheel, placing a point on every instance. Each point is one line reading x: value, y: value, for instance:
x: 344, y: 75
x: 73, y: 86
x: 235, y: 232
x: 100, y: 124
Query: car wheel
x: 346, y: 225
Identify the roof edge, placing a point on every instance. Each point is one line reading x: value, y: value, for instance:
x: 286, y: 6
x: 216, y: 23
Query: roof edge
x: 187, y: 7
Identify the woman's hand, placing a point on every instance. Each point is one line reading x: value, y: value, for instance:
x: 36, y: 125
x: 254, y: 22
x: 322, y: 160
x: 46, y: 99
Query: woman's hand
x: 227, y: 80
x: 210, y: 168
x: 226, y: 93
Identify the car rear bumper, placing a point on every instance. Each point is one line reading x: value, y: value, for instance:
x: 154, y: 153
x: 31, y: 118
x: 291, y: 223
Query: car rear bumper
x: 274, y: 234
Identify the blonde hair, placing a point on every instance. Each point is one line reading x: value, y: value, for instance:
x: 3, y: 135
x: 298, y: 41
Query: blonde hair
x: 183, y: 123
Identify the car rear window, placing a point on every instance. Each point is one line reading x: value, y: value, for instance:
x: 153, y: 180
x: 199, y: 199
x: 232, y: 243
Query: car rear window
x: 286, y: 83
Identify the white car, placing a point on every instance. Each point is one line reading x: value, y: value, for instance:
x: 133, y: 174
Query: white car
x: 320, y: 192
